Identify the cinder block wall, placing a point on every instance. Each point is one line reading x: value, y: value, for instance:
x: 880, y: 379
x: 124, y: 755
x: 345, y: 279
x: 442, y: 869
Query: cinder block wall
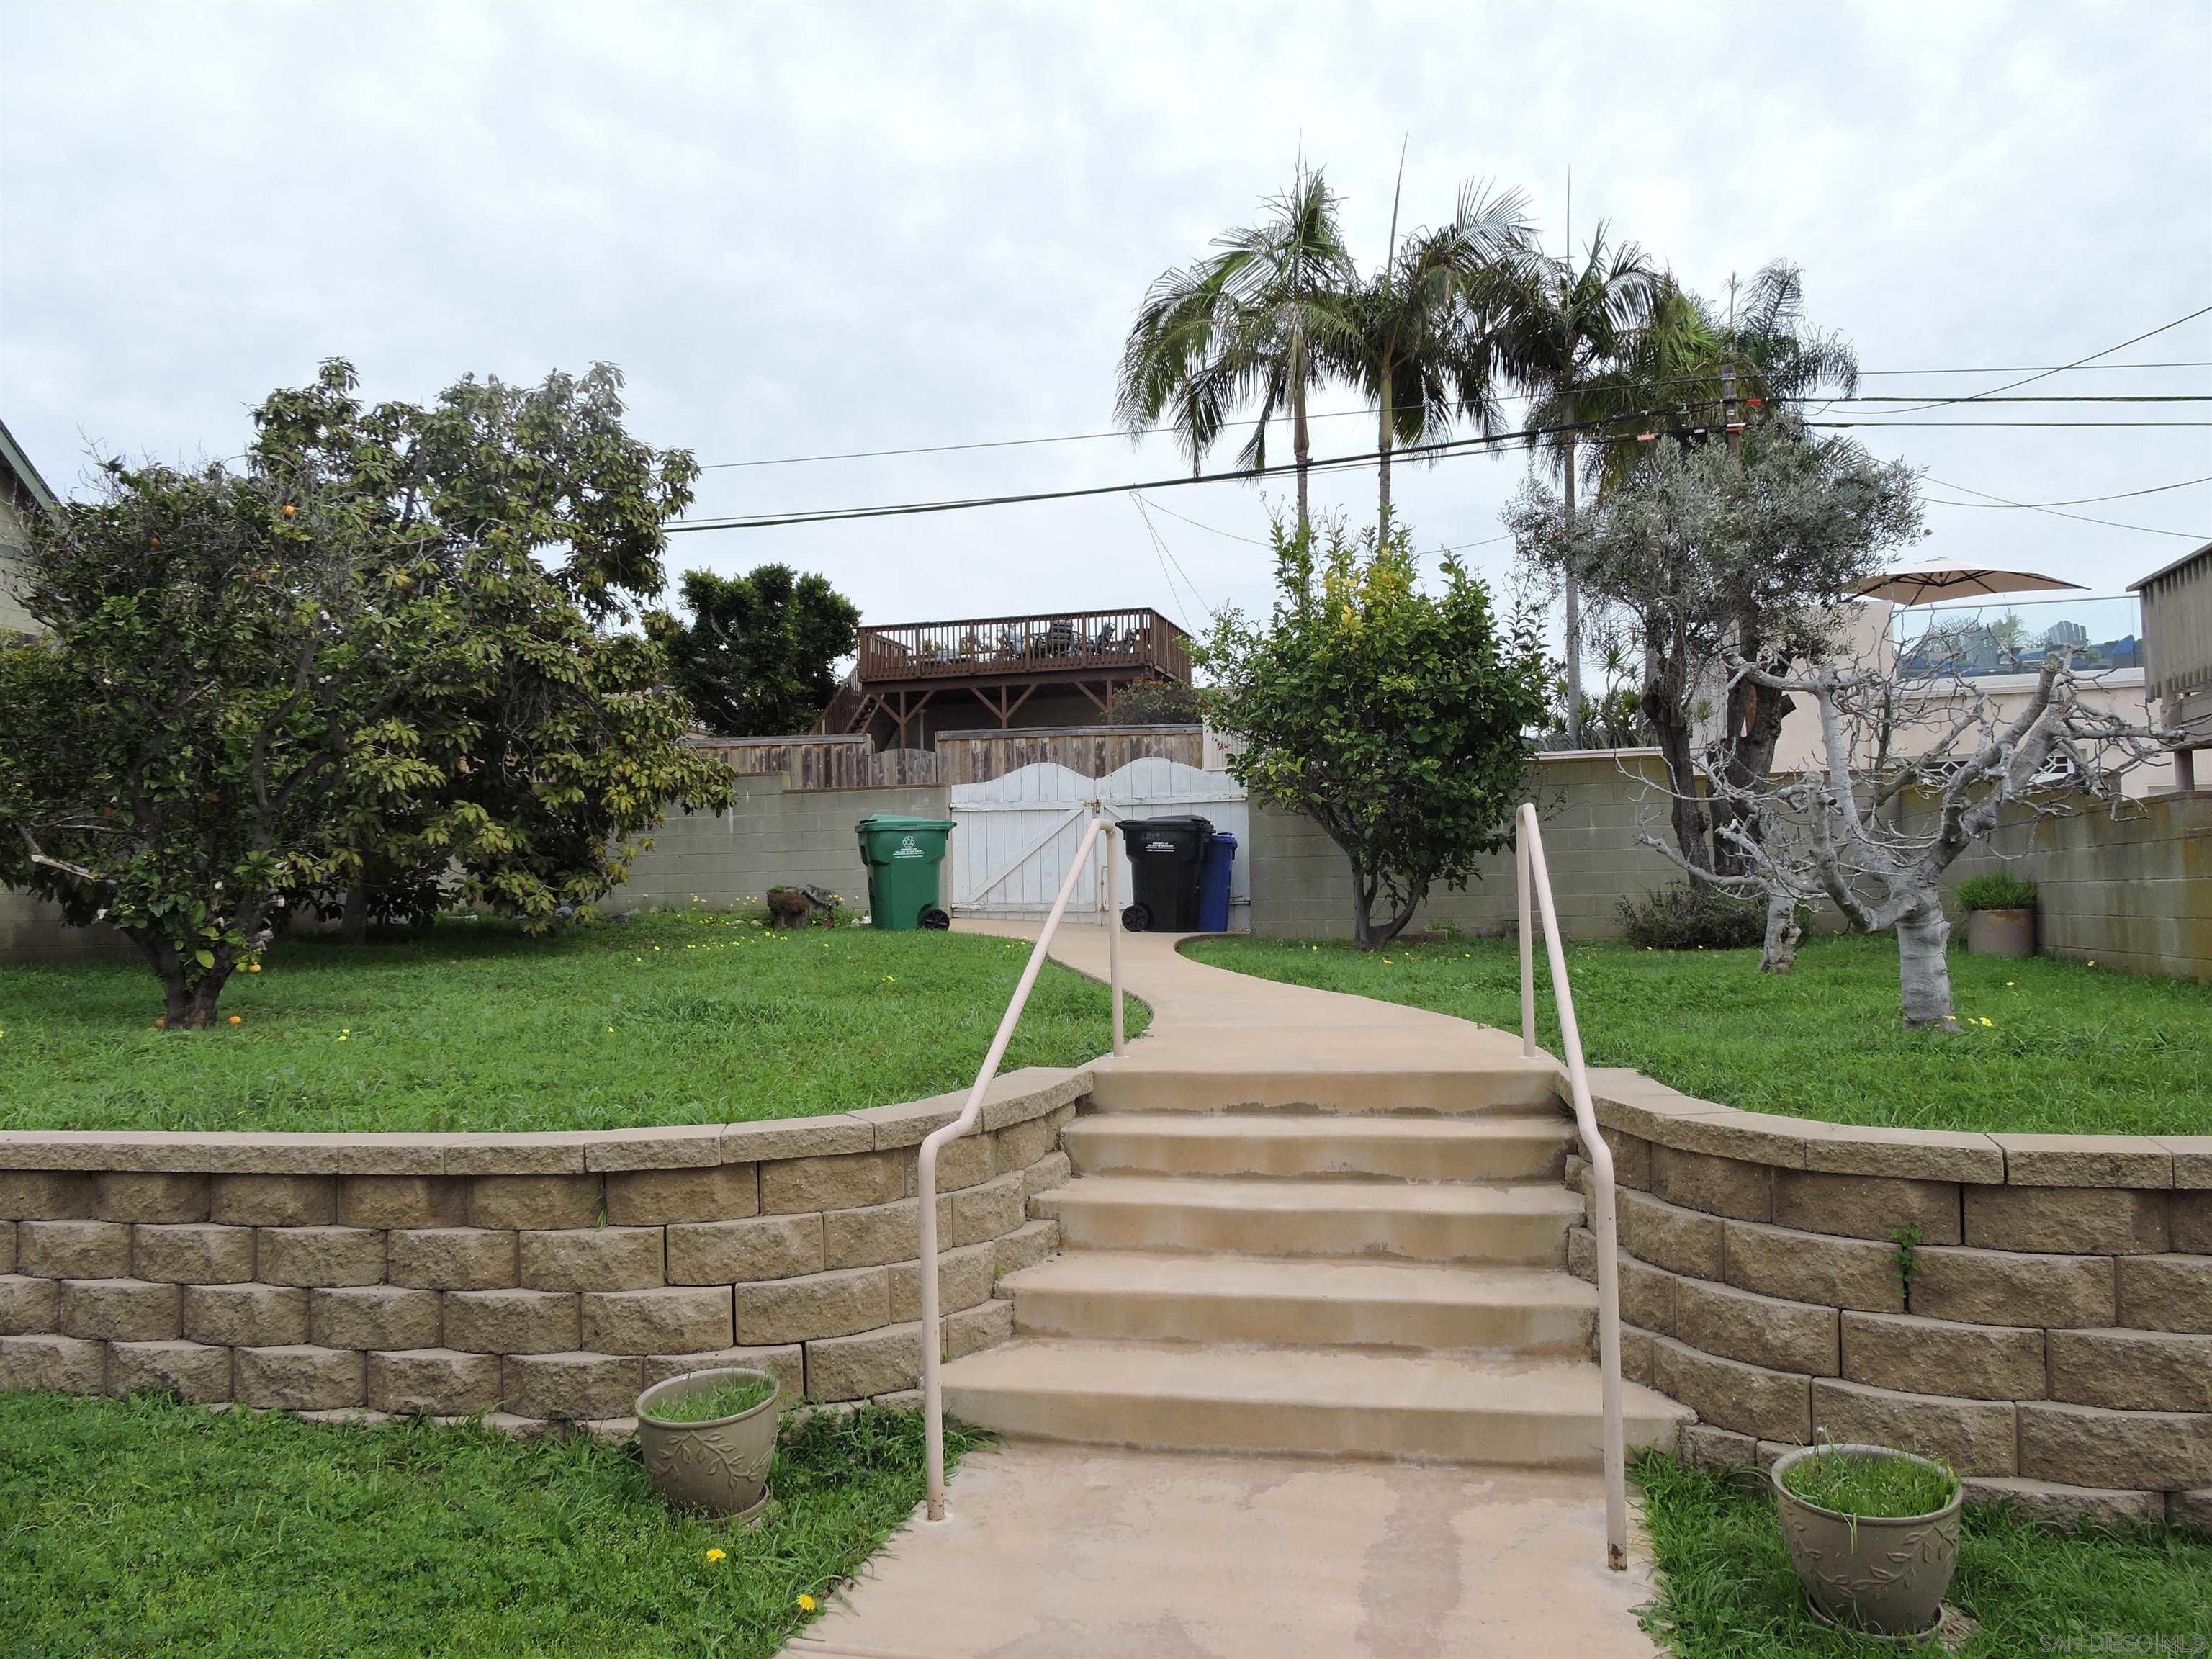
x: 2049, y: 1335
x: 2131, y: 891
x: 1592, y: 804
x: 537, y: 1277
x: 772, y: 834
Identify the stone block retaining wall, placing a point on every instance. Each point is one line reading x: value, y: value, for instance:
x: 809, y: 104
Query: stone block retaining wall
x: 538, y: 1277
x: 2052, y: 1340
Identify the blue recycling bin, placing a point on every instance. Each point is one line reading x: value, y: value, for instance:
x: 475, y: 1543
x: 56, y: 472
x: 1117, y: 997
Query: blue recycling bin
x: 1214, y: 865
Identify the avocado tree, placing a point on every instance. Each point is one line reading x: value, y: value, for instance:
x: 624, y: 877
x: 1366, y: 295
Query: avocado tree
x: 527, y: 521
x: 1396, y: 719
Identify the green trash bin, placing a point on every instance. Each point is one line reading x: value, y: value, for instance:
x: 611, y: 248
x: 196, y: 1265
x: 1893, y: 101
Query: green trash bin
x: 903, y: 854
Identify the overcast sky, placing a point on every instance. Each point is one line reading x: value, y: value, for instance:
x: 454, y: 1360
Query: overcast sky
x: 812, y: 228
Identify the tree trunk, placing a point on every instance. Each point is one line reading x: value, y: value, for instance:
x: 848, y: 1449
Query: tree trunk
x: 1755, y: 714
x: 1924, y: 968
x: 1783, y: 934
x: 353, y: 920
x: 1363, y: 906
x: 1670, y: 733
x: 1574, y: 617
x: 1301, y: 447
x: 1382, y: 449
x: 186, y: 1007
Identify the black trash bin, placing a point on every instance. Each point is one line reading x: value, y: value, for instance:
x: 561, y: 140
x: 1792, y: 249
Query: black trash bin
x: 1164, y: 855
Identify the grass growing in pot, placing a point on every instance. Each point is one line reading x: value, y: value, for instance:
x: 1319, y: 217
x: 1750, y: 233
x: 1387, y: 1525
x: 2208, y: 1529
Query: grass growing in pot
x: 724, y: 1400
x: 1882, y: 1488
x: 1996, y: 889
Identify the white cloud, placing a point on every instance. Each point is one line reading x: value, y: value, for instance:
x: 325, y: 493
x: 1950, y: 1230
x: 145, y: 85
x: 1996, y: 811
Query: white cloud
x: 814, y: 229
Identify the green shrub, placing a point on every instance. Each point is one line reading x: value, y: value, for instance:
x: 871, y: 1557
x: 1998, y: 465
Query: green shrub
x: 1691, y: 917
x: 1998, y: 889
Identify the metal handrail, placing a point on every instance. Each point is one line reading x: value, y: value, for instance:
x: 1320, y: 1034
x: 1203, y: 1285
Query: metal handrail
x: 1535, y: 879
x: 933, y: 1339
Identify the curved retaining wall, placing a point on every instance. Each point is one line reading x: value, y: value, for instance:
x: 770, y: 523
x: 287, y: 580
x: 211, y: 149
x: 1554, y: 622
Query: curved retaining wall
x: 2052, y: 1339
x: 538, y: 1277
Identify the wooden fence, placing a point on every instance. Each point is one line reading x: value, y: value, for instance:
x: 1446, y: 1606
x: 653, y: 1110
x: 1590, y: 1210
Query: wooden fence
x: 853, y: 762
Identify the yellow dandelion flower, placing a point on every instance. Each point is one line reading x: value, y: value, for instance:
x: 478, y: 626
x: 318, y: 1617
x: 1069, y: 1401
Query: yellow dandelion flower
x: 716, y: 1555
x: 807, y: 1604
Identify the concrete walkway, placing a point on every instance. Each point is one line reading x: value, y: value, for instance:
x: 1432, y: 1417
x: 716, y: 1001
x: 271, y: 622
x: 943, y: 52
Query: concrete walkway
x: 1276, y: 1041
x: 1058, y: 1552
x: 1093, y: 1553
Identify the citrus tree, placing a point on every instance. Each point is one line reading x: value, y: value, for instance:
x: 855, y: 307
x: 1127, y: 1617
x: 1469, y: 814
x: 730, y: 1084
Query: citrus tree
x: 220, y: 672
x: 1397, y: 719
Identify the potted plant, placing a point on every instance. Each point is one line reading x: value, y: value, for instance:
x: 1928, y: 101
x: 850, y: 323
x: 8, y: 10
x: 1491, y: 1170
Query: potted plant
x: 1874, y: 1533
x: 708, y: 1438
x: 2000, y: 913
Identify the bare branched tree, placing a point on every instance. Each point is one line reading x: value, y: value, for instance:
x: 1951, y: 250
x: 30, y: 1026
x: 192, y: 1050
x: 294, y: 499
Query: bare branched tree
x: 1908, y: 775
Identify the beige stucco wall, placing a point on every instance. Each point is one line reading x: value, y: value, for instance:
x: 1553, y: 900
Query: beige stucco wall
x: 13, y: 618
x: 1866, y: 638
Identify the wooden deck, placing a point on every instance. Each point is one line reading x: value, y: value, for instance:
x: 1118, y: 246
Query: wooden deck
x: 1002, y: 662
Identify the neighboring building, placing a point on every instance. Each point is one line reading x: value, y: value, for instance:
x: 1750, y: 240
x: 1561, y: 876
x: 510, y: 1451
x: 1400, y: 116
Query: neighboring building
x: 2176, y: 625
x: 913, y: 680
x: 23, y: 494
x: 1995, y: 648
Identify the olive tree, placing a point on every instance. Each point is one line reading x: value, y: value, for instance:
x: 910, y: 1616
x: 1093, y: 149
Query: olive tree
x: 1701, y: 555
x: 1396, y: 719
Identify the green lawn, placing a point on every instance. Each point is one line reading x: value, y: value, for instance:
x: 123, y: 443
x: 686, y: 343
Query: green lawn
x: 142, y: 1526
x: 2068, y: 1047
x: 676, y: 1018
x: 1727, y: 1589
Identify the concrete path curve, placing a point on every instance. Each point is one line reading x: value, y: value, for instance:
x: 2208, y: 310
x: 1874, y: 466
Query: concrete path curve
x: 1091, y: 1553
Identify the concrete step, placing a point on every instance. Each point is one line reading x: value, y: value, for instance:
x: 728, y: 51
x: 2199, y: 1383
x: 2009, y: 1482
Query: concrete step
x: 1342, y: 1079
x: 1421, y: 1222
x: 1293, y: 1144
x: 1100, y: 1294
x: 1466, y: 1408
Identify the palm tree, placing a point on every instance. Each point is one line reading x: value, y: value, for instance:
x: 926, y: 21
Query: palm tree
x: 1260, y: 320
x: 1689, y: 357
x: 1563, y: 333
x: 1426, y: 322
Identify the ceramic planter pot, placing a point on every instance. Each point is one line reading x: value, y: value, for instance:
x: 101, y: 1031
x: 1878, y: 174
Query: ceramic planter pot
x: 719, y: 1466
x: 2001, y: 932
x: 1885, y: 1577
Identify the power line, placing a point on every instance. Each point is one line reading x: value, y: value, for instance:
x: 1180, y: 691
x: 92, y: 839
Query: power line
x: 1482, y: 445
x: 2079, y: 501
x: 1981, y: 397
x: 1988, y: 500
x: 1879, y: 424
x: 1368, y: 414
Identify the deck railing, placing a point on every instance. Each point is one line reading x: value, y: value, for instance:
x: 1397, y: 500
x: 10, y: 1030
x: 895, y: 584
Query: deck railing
x: 1113, y: 641
x: 1536, y: 883
x: 933, y: 1338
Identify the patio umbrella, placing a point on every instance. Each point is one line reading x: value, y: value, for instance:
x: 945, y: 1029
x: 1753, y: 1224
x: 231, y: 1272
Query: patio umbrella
x: 1924, y: 584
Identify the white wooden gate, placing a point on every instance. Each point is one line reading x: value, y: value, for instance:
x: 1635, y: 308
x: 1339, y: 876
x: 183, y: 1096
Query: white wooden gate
x: 1017, y: 833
